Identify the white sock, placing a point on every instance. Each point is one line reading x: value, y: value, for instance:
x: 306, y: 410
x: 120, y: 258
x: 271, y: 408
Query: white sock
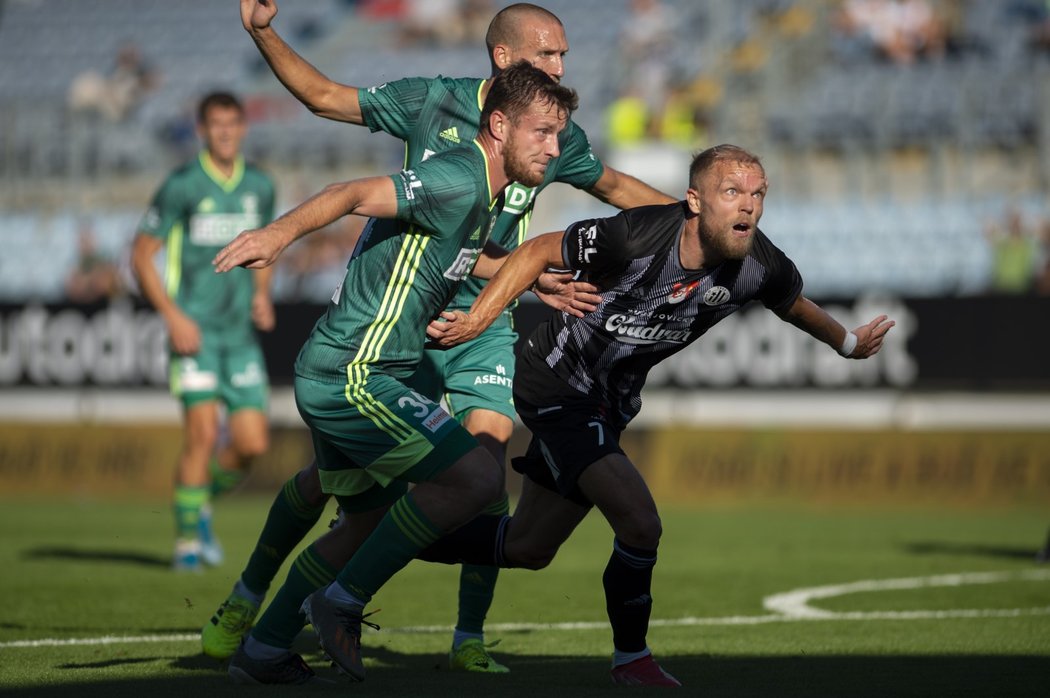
x: 621, y: 658
x: 260, y: 650
x: 341, y: 597
x: 241, y: 590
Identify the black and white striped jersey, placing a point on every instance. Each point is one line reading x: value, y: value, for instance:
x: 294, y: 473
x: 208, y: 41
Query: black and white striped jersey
x: 651, y: 306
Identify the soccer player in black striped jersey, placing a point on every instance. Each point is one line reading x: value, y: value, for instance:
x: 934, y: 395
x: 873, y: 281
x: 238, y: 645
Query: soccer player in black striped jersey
x: 667, y: 274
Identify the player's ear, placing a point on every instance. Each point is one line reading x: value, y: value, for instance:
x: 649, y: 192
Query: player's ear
x: 501, y: 56
x: 498, y: 124
x: 692, y: 200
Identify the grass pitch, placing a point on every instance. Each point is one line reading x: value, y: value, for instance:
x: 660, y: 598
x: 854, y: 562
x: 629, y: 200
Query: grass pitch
x: 905, y: 601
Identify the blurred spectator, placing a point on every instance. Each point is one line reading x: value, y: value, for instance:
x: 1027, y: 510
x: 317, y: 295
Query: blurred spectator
x: 645, y: 40
x: 1014, y: 254
x: 311, y: 269
x: 445, y: 22
x: 898, y: 31
x: 1042, y: 277
x: 116, y: 94
x: 95, y: 277
x: 627, y: 118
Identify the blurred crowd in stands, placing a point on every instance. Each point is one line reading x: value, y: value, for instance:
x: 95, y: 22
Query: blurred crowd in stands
x: 105, y: 90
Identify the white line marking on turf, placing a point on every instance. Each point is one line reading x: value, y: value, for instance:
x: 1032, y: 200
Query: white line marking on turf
x: 788, y: 607
x: 795, y: 603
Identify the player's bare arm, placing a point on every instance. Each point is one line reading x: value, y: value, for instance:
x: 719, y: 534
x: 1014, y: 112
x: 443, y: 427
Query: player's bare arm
x: 624, y: 191
x: 810, y: 317
x: 322, y: 96
x: 372, y: 197
x: 519, y: 272
x: 183, y: 333
x: 263, y: 314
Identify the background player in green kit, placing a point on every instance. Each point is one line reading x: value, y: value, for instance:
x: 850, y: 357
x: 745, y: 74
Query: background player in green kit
x: 431, y: 115
x: 374, y: 434
x: 211, y: 319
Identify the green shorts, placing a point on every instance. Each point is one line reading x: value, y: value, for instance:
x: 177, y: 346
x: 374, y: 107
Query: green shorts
x: 370, y: 438
x: 472, y: 376
x: 234, y: 374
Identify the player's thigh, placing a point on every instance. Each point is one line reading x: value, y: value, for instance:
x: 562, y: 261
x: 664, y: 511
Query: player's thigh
x: 616, y: 487
x: 377, y: 432
x: 567, y: 437
x: 429, y: 378
x: 479, y: 375
x: 542, y: 521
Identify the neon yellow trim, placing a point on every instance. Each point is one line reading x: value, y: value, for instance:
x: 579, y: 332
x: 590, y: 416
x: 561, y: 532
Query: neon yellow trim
x: 397, y: 291
x: 410, y: 524
x: 488, y: 180
x: 383, y: 471
x: 481, y: 100
x: 226, y: 184
x: 523, y: 226
x: 173, y: 265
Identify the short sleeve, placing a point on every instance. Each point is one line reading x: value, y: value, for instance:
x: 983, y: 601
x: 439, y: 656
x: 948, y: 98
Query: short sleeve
x: 165, y: 209
x: 578, y: 165
x: 394, y: 107
x: 783, y: 284
x: 439, y: 193
x: 597, y: 246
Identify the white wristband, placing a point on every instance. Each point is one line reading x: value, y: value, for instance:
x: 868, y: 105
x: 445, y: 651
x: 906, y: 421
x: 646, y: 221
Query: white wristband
x: 848, y: 344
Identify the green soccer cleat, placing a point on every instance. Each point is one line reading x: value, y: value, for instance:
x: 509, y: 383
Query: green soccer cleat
x: 223, y: 633
x: 473, y: 655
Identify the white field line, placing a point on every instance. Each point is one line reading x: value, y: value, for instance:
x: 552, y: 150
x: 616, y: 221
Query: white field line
x: 789, y: 607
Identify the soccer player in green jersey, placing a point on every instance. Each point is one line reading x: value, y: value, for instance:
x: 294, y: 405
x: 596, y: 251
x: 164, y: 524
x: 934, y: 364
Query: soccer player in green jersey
x: 430, y: 115
x: 373, y: 434
x: 211, y: 319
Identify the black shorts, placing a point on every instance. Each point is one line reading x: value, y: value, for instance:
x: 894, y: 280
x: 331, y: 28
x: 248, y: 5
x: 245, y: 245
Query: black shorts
x: 568, y: 435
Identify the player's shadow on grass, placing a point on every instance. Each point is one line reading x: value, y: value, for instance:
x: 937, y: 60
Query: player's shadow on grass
x: 972, y: 549
x: 112, y: 556
x: 392, y: 673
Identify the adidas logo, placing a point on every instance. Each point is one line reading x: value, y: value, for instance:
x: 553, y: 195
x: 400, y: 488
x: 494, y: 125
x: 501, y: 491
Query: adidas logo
x: 450, y: 134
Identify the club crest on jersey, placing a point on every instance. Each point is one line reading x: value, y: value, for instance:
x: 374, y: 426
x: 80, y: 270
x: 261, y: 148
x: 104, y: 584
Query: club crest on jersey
x: 716, y: 295
x: 681, y: 291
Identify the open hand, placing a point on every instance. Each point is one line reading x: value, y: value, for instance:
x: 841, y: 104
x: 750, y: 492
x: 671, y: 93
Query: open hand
x: 870, y: 336
x: 559, y: 291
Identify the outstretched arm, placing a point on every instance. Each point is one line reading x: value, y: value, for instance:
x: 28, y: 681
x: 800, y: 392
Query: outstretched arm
x: 374, y: 197
x: 624, y: 191
x: 322, y: 96
x: 866, y: 341
x: 517, y: 274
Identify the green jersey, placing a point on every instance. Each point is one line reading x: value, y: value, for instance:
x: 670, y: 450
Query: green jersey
x: 433, y: 114
x: 198, y: 211
x: 404, y: 271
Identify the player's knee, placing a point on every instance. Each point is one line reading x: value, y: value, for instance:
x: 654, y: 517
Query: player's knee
x: 641, y: 530
x: 530, y: 557
x: 250, y: 448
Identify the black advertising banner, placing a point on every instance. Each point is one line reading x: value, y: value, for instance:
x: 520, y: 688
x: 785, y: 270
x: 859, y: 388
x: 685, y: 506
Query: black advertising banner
x: 978, y: 343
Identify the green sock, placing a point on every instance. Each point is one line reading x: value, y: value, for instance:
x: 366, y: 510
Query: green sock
x: 288, y: 522
x: 477, y: 585
x: 282, y: 621
x: 222, y: 480
x: 398, y: 538
x: 188, y: 502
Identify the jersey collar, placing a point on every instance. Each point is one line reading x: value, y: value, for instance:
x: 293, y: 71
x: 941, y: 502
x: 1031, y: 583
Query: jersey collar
x: 227, y: 185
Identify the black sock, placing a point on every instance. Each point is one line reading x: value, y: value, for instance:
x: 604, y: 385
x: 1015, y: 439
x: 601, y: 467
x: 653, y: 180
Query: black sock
x: 477, y: 542
x: 628, y: 580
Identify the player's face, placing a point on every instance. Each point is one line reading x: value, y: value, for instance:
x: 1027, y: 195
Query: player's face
x: 223, y: 130
x: 543, y: 44
x: 730, y: 199
x: 531, y: 143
